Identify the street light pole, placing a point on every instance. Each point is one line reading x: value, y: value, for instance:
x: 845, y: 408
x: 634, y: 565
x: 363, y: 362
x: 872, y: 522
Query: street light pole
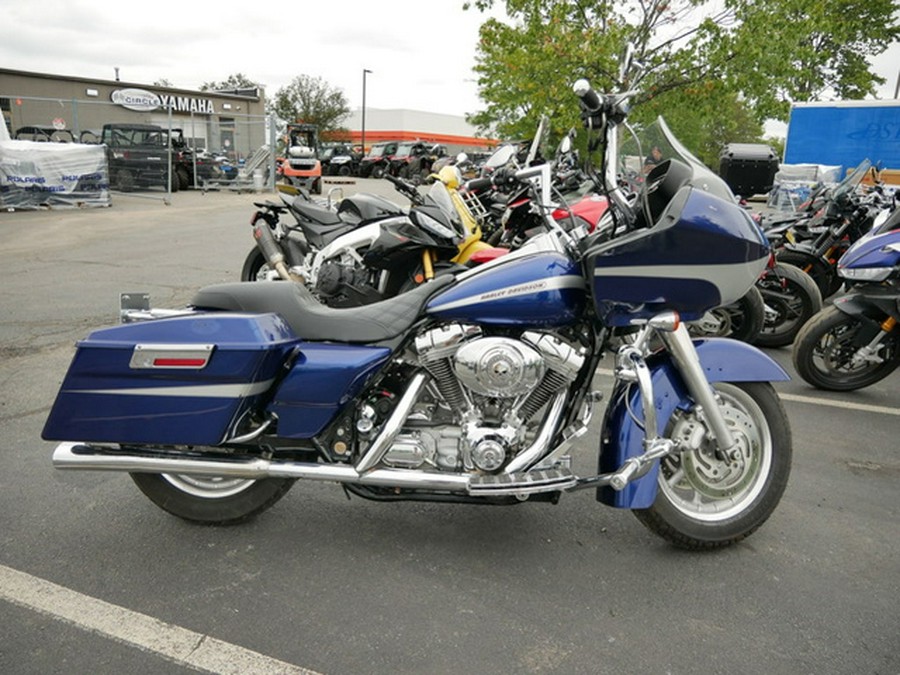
x: 363, y: 140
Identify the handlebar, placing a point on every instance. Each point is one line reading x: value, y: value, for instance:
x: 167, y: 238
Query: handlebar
x: 406, y: 188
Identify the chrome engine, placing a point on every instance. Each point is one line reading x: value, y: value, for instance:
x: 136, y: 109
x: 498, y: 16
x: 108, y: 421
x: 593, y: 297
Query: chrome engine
x: 482, y: 406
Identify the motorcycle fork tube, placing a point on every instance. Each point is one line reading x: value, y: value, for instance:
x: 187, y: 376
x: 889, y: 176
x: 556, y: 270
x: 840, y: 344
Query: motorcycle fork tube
x: 427, y: 264
x: 392, y: 426
x: 680, y: 345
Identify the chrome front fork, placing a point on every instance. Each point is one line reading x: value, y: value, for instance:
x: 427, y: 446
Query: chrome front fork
x: 630, y: 366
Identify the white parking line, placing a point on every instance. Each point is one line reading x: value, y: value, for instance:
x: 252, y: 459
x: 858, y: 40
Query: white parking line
x: 844, y: 405
x: 174, y: 643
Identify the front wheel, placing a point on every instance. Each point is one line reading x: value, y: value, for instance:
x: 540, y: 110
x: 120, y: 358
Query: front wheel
x: 705, y: 501
x: 828, y: 352
x: 741, y: 320
x: 211, y: 500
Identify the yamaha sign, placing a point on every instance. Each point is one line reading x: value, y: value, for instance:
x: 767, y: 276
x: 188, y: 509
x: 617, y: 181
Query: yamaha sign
x: 142, y: 100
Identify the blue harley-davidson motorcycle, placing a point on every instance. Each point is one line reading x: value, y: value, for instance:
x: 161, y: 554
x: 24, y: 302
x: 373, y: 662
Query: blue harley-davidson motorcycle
x: 472, y: 388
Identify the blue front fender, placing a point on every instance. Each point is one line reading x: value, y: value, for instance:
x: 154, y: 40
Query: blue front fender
x: 723, y: 360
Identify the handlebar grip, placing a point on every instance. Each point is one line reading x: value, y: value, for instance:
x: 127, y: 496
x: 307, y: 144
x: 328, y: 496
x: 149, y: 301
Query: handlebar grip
x: 589, y: 97
x: 479, y: 184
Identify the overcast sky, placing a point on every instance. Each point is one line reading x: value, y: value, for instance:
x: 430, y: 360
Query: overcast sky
x: 420, y: 52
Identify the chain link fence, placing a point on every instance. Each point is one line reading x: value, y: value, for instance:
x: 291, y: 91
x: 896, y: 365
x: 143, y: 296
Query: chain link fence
x: 183, y: 144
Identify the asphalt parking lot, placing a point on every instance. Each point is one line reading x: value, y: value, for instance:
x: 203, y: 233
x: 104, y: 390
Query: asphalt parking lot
x: 95, y: 579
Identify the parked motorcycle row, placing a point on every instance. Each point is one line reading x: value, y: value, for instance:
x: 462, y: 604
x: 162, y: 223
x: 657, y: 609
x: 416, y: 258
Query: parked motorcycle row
x: 445, y: 351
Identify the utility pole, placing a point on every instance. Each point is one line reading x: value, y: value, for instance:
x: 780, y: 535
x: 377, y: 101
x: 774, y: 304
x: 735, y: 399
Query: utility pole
x: 363, y: 139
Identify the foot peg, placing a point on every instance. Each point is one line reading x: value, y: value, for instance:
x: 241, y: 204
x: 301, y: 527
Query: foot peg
x: 525, y: 482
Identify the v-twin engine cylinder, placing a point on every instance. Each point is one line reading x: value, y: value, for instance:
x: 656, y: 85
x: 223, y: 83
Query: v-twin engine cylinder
x: 493, y: 387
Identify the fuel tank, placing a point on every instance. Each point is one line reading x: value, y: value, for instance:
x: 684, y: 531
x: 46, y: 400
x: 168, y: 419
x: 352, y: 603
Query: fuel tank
x: 543, y: 289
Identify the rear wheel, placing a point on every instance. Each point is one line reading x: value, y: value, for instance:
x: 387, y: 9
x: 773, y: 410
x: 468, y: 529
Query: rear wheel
x: 212, y: 500
x: 827, y: 352
x: 791, y: 299
x: 183, y: 177
x: 822, y: 274
x: 705, y: 501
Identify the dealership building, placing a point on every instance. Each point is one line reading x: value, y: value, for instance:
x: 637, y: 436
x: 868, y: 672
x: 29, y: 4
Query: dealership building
x: 43, y: 106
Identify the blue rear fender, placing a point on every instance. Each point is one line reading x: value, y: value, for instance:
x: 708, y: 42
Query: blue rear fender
x: 723, y: 360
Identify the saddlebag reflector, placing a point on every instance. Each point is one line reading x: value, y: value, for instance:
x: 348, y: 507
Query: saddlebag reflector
x: 170, y: 356
x: 185, y: 380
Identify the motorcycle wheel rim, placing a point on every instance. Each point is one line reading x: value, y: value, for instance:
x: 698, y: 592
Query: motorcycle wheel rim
x: 208, y: 487
x: 703, y: 487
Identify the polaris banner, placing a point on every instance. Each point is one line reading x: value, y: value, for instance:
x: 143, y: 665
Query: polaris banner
x: 52, y: 175
x: 844, y: 133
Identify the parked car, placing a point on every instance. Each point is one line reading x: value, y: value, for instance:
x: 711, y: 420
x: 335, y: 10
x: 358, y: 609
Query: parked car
x: 378, y: 160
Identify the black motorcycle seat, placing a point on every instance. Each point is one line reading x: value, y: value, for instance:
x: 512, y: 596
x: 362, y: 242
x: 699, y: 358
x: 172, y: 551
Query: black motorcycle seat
x: 311, y: 320
x: 315, y: 213
x: 320, y: 226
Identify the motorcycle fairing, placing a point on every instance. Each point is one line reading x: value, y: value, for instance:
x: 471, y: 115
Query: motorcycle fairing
x: 872, y: 305
x: 323, y: 379
x: 722, y: 360
x: 703, y: 252
x: 186, y: 380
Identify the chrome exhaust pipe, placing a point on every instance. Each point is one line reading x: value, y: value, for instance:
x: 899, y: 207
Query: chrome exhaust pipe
x: 86, y: 457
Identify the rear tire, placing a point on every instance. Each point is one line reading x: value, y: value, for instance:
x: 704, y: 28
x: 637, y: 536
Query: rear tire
x: 823, y: 275
x: 254, y: 266
x: 211, y: 500
x: 183, y: 177
x: 704, y: 502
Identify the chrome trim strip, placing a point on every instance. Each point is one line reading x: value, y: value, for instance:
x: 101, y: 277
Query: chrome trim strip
x: 238, y: 390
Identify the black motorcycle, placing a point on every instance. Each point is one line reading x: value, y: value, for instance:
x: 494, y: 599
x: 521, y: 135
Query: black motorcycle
x: 855, y: 341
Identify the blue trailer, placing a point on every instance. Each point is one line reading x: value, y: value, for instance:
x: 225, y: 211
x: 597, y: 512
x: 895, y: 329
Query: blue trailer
x: 844, y: 133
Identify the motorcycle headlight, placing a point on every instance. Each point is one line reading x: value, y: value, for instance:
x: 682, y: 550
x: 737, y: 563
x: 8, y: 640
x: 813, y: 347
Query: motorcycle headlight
x: 865, y: 273
x: 435, y: 227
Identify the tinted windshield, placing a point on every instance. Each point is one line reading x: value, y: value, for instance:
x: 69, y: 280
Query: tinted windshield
x: 852, y: 180
x: 405, y: 149
x: 657, y: 144
x: 377, y: 151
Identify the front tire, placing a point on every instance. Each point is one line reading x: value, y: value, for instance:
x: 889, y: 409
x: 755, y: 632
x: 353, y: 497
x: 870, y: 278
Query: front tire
x: 704, y: 502
x: 211, y: 500
x: 825, y: 348
x: 741, y: 320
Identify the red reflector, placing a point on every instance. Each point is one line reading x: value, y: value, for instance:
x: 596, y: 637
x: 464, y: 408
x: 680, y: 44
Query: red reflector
x: 178, y: 363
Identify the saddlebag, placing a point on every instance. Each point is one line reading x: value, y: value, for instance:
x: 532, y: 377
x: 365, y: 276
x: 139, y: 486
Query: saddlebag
x: 186, y: 380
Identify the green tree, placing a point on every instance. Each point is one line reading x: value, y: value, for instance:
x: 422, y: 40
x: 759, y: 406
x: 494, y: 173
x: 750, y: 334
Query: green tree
x: 721, y: 69
x: 804, y: 50
x: 231, y: 83
x: 312, y: 100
